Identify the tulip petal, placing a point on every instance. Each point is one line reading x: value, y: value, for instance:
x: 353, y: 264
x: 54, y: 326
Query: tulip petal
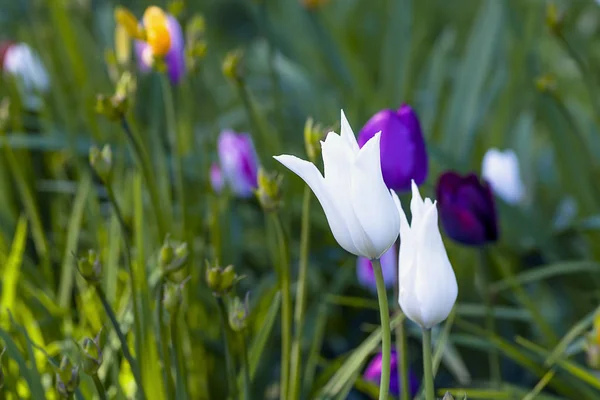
x: 436, y: 285
x: 376, y: 211
x: 313, y: 178
x: 347, y: 133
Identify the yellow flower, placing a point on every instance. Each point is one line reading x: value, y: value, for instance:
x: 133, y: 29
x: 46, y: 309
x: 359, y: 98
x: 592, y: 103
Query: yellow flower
x: 157, y: 31
x: 127, y: 20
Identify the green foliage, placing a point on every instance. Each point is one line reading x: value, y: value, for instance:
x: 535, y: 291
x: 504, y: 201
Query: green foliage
x: 470, y: 68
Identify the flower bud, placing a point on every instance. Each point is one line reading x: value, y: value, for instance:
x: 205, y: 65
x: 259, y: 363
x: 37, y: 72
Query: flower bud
x: 232, y: 65
x: 238, y: 314
x: 221, y: 281
x: 269, y: 190
x: 313, y: 134
x: 92, y: 355
x: 467, y: 209
x: 239, y: 162
x: 402, y: 152
x: 90, y: 267
x: 554, y: 18
x: 127, y: 20
x: 501, y: 170
x: 173, y: 297
x: 101, y: 162
x: 172, y: 258
x: 67, y: 378
x: 448, y: 396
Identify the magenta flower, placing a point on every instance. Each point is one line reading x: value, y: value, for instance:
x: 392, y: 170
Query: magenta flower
x: 239, y: 162
x: 175, y: 57
x: 403, y: 152
x: 389, y: 267
x: 467, y: 209
x: 373, y: 374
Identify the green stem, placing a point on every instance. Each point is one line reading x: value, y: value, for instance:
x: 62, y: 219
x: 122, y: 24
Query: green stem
x: 490, y: 323
x: 299, y: 312
x: 246, y: 367
x: 286, y: 306
x: 402, y: 355
x: 386, y: 345
x: 428, y: 365
x: 124, y: 346
x: 180, y: 367
x: 164, y: 341
x: 99, y: 387
x: 132, y: 280
x: 231, y: 380
x: 176, y: 150
x: 146, y: 167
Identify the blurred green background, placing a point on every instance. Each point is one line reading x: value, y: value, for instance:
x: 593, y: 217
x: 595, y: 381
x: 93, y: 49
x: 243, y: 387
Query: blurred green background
x: 470, y: 68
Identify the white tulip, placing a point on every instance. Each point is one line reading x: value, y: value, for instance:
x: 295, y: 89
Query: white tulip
x: 360, y: 209
x: 427, y: 283
x: 21, y: 62
x: 501, y: 170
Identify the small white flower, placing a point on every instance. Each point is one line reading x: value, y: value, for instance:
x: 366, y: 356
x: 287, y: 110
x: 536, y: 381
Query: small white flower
x: 501, y: 170
x: 21, y: 62
x: 427, y: 283
x: 360, y: 210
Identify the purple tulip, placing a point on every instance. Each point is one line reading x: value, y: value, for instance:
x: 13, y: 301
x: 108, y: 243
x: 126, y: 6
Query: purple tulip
x: 467, y: 209
x: 403, y: 153
x: 175, y: 57
x: 239, y: 162
x: 389, y: 267
x: 216, y: 178
x: 373, y: 374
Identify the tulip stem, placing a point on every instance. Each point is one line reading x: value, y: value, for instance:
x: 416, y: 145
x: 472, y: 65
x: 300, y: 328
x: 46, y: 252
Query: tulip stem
x: 99, y: 387
x: 286, y: 306
x: 228, y: 357
x: 428, y: 365
x: 163, y: 337
x: 180, y: 367
x: 245, y: 366
x: 386, y: 345
x: 124, y: 346
x: 300, y: 297
x: 402, y: 355
x: 145, y: 166
x: 490, y: 323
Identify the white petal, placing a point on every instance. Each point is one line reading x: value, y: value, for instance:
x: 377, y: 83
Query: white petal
x: 416, y: 203
x: 501, y: 170
x: 435, y: 283
x: 313, y: 178
x: 347, y: 133
x: 372, y: 202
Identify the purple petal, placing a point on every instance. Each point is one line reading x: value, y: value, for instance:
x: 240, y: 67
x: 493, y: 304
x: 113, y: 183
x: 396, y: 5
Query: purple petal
x: 239, y: 162
x: 373, y: 374
x: 175, y: 57
x: 139, y: 48
x: 403, y: 153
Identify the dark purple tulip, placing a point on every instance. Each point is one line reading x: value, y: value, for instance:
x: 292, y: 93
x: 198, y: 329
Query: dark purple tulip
x: 467, y: 209
x: 175, y: 57
x: 373, y: 374
x: 403, y: 153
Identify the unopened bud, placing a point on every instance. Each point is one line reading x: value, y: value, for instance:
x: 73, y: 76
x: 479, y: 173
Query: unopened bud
x: 173, y: 296
x: 448, y: 396
x: 67, y: 378
x: 173, y: 257
x: 554, y: 18
x: 221, y: 281
x: 90, y: 267
x: 101, y: 162
x: 238, y: 314
x: 269, y: 190
x: 313, y: 134
x: 232, y: 65
x: 92, y: 355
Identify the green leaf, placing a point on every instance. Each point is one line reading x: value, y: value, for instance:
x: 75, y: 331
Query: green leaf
x: 12, y: 268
